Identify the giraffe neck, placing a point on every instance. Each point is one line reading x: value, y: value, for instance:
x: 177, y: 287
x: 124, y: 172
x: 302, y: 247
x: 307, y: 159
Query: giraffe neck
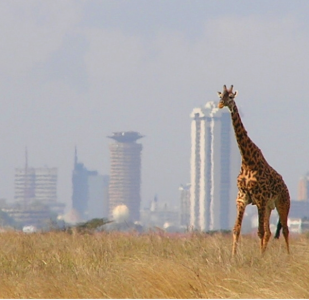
x: 250, y: 153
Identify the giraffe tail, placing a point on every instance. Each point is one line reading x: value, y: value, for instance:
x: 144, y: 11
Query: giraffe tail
x: 279, y: 226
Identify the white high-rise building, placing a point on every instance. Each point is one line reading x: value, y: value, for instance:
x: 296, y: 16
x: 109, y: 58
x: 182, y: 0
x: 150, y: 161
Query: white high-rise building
x: 215, y: 165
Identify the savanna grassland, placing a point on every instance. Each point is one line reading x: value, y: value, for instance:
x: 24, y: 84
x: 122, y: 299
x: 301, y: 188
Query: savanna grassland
x: 153, y: 265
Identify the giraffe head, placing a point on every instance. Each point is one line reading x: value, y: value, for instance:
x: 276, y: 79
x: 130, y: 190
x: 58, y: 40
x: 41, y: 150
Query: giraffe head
x: 227, y: 98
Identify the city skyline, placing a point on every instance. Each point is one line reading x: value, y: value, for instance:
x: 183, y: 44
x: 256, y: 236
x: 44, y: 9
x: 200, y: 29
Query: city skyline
x: 74, y: 71
x: 300, y: 188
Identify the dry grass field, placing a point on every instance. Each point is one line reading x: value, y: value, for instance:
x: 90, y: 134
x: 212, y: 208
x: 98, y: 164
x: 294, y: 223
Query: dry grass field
x: 153, y: 265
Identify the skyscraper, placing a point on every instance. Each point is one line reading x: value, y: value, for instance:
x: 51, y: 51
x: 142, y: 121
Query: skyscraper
x: 35, y: 184
x: 185, y: 204
x: 90, y: 192
x: 97, y: 195
x: 35, y: 195
x: 215, y: 163
x: 303, y: 188
x: 24, y: 185
x: 46, y: 185
x: 80, y: 188
x: 125, y: 173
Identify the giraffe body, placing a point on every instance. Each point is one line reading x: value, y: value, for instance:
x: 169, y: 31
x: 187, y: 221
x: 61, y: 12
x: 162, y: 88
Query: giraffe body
x: 258, y: 183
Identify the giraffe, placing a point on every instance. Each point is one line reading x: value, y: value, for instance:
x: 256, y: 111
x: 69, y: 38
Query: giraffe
x: 258, y: 183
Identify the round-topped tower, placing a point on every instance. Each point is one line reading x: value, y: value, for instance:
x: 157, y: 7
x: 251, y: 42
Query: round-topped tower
x: 125, y: 173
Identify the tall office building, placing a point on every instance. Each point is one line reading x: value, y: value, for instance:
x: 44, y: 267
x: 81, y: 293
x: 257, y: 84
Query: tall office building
x: 24, y: 185
x: 215, y: 164
x: 80, y: 188
x: 36, y: 184
x: 97, y: 196
x: 303, y: 188
x: 46, y: 185
x: 90, y: 192
x: 125, y: 173
x: 35, y: 195
x: 185, y: 205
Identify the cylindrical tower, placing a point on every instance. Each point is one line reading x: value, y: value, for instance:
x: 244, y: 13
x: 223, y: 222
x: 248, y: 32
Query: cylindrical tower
x: 125, y: 173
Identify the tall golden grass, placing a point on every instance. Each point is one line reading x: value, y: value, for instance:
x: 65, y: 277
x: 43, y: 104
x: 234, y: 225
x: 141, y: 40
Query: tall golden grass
x: 153, y: 265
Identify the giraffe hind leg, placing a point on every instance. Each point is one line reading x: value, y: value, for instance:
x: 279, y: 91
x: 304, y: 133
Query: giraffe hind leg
x: 285, y: 231
x: 283, y: 207
x: 279, y: 226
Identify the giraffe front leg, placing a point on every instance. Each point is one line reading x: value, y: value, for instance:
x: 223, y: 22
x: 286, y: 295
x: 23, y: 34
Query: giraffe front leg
x: 241, y: 206
x: 261, y: 231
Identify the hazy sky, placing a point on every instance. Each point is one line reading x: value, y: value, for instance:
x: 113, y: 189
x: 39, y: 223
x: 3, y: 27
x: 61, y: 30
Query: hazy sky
x: 73, y: 72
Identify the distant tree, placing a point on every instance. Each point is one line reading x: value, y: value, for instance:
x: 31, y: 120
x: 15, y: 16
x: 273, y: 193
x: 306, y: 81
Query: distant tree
x: 89, y: 226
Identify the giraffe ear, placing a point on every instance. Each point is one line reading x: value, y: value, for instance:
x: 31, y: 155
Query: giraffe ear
x: 219, y: 94
x: 235, y: 94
